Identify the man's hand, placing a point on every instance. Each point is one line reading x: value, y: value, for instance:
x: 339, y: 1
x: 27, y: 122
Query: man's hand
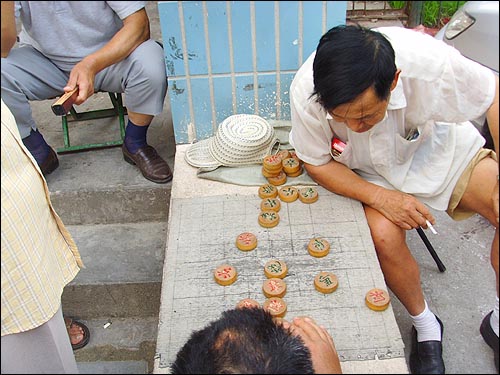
x: 402, y: 209
x: 319, y: 342
x: 135, y: 31
x: 82, y: 76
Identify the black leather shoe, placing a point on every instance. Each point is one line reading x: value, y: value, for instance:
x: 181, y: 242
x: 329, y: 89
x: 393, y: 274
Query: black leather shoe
x: 489, y: 336
x: 50, y: 163
x: 427, y: 356
x: 152, y: 166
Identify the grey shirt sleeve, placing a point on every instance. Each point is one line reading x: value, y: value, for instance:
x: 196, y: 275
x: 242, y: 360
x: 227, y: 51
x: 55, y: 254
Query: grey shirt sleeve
x: 126, y: 8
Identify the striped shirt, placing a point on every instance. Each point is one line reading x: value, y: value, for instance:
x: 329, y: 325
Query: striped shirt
x: 39, y: 256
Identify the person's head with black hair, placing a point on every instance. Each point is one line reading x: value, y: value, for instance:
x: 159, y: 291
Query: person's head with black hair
x: 354, y: 71
x: 250, y: 341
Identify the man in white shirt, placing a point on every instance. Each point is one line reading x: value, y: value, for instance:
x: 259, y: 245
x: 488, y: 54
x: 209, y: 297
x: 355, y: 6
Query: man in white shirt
x: 383, y: 116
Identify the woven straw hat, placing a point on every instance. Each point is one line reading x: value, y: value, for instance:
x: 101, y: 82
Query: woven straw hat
x: 239, y: 140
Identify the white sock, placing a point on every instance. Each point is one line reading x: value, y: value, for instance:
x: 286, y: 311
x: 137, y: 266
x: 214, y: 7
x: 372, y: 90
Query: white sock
x: 427, y: 326
x: 494, y: 319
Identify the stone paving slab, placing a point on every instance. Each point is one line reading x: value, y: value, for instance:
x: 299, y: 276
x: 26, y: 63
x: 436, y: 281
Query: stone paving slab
x: 202, y: 231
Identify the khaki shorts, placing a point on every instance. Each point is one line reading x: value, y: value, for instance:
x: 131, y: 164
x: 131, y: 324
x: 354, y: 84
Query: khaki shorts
x: 462, y: 183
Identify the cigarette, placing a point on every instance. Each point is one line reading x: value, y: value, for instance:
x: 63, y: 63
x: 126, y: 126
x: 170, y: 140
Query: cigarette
x: 106, y: 325
x: 431, y: 227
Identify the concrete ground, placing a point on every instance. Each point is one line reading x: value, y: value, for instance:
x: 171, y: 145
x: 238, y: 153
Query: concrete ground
x: 461, y: 296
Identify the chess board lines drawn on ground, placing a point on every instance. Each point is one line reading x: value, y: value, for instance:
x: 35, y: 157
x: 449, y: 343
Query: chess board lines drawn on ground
x: 202, y: 236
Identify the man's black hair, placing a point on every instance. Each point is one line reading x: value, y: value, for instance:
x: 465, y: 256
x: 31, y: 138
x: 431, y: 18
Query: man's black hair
x: 243, y: 341
x: 349, y: 60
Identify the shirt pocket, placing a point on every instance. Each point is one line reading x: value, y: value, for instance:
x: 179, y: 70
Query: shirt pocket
x: 406, y: 148
x: 346, y: 157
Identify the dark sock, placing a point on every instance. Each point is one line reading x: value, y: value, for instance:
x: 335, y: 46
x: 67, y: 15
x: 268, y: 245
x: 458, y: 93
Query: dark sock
x: 36, y: 144
x: 135, y: 137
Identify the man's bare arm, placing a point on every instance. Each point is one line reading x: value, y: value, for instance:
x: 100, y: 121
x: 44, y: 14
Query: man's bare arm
x: 134, y: 32
x: 9, y: 32
x: 402, y: 209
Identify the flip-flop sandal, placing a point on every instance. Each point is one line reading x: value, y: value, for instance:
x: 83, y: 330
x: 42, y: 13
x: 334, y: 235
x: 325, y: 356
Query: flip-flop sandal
x: 86, y: 333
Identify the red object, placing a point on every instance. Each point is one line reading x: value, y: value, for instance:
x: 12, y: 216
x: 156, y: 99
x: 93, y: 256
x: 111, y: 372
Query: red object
x: 338, y: 145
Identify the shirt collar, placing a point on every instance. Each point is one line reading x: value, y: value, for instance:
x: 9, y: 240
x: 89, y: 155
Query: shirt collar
x: 397, y: 100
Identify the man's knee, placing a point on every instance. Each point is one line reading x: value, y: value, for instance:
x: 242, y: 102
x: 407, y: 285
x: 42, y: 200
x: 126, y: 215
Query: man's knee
x: 386, y: 235
x: 149, y: 65
x: 8, y: 76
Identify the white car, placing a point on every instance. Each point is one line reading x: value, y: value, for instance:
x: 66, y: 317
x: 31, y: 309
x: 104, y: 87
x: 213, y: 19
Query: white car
x: 473, y: 30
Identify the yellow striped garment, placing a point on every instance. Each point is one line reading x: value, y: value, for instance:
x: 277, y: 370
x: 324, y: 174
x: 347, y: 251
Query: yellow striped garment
x: 39, y: 256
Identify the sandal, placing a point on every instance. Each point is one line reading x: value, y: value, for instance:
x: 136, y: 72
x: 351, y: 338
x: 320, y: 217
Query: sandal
x: 70, y: 323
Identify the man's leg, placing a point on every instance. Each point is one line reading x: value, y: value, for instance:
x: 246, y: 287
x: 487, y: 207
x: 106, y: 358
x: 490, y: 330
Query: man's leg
x: 28, y: 75
x: 477, y: 198
x: 402, y: 275
x: 142, y: 77
x: 400, y: 269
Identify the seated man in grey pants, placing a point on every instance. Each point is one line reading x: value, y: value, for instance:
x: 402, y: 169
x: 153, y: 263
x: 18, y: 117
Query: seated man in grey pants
x: 95, y: 46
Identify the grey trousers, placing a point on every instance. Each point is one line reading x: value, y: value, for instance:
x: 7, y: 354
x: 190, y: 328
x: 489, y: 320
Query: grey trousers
x: 42, y: 350
x: 28, y: 75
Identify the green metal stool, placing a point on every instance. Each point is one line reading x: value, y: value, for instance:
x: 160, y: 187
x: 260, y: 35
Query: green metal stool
x: 73, y: 116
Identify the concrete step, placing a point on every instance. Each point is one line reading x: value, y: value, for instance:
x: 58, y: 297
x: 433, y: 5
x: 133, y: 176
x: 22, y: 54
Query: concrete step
x: 123, y: 270
x: 120, y: 253
x: 98, y: 186
x: 113, y: 300
x: 113, y: 367
x: 118, y: 220
x: 125, y: 346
